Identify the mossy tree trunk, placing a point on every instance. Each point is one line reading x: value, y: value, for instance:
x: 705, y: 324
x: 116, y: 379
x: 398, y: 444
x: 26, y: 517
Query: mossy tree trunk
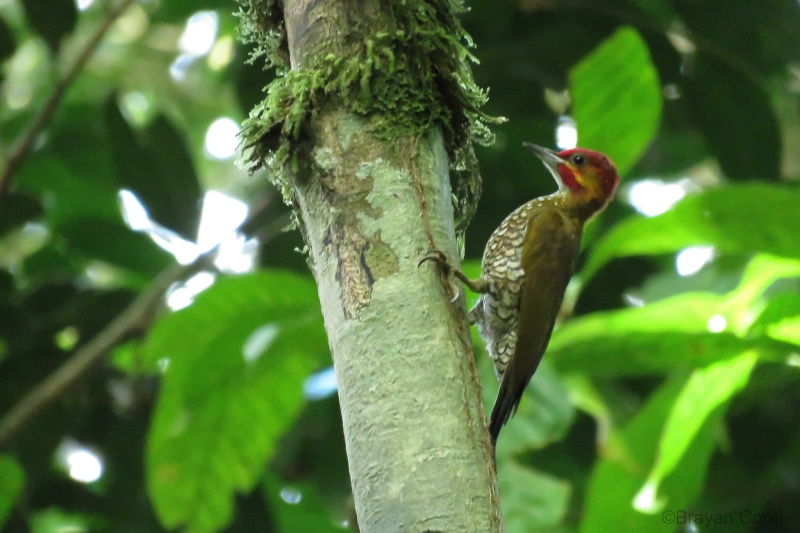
x: 373, y: 195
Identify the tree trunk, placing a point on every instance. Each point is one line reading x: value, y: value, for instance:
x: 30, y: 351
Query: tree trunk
x: 371, y: 206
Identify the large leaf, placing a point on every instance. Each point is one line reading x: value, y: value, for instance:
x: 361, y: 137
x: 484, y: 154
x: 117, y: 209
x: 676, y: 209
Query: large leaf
x: 79, y: 139
x: 780, y: 307
x: 52, y: 19
x: 544, y: 416
x: 787, y: 330
x: 707, y: 389
x: 113, y: 243
x: 736, y: 116
x: 674, y: 332
x: 69, y: 195
x: 16, y: 209
x: 616, y: 479
x: 12, y: 479
x: 530, y: 499
x: 158, y: 169
x: 735, y: 219
x: 235, y: 361
x: 637, y: 353
x: 181, y: 185
x: 74, y: 175
x: 616, y: 98
x: 53, y: 262
x: 780, y: 319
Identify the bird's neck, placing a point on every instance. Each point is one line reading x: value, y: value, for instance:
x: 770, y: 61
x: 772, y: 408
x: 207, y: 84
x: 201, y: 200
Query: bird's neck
x: 580, y: 207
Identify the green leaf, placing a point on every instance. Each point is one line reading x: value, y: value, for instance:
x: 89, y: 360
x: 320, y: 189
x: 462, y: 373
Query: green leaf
x: 114, y: 243
x: 616, y: 97
x: 616, y: 479
x: 530, y: 499
x: 52, y: 19
x: 780, y: 319
x: 78, y: 138
x: 235, y: 362
x: 668, y: 334
x: 744, y: 218
x: 158, y: 169
x: 544, y: 416
x: 759, y: 274
x: 16, y: 209
x: 780, y: 307
x: 68, y: 195
x: 658, y: 353
x: 51, y: 262
x: 12, y: 479
x: 181, y: 185
x: 737, y: 118
x: 787, y: 331
x: 706, y: 390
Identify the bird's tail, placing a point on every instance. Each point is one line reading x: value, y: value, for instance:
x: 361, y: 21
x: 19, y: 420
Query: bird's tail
x: 504, y: 408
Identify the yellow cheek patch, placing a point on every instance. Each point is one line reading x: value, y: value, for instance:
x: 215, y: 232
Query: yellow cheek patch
x: 589, y: 180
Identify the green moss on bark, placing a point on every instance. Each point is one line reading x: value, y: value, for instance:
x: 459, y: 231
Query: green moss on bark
x: 261, y: 24
x: 409, y: 76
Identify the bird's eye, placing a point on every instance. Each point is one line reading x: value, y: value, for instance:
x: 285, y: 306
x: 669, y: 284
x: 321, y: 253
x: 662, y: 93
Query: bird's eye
x: 578, y: 160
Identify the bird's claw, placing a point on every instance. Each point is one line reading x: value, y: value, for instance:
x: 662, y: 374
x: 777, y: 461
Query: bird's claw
x: 438, y: 257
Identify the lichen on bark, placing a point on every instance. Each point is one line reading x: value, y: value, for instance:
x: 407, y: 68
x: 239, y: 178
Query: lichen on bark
x: 407, y: 76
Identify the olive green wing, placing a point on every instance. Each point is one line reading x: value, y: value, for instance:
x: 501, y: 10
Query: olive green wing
x: 549, y: 252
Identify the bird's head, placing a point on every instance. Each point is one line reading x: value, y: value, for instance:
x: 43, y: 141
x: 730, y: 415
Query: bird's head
x: 589, y: 176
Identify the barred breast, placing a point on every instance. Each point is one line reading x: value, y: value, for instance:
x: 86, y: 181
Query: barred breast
x: 496, y: 312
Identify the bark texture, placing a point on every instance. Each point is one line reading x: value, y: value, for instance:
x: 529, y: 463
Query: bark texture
x: 370, y: 207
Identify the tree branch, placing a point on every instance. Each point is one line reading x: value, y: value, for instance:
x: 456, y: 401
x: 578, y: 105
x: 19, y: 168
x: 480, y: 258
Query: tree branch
x: 133, y: 316
x: 94, y: 350
x: 371, y: 203
x: 24, y: 146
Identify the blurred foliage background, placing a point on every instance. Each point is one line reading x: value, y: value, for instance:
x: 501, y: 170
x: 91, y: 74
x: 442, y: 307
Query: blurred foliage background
x: 671, y: 385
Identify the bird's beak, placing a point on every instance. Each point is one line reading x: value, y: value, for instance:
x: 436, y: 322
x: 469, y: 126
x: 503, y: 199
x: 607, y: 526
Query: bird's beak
x: 550, y: 159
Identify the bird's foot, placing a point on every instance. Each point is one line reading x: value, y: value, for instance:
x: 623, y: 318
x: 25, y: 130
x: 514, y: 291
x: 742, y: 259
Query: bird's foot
x: 438, y: 257
x: 478, y: 286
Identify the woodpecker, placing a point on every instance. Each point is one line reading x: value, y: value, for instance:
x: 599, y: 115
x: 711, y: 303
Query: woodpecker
x: 527, y: 265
